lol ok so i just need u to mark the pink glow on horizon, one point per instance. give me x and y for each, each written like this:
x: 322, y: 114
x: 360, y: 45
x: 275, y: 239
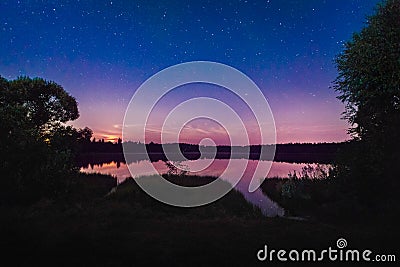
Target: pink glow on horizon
x: 285, y: 134
x: 299, y: 117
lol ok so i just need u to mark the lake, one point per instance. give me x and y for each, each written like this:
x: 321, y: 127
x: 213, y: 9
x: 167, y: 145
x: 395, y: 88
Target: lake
x: 269, y: 208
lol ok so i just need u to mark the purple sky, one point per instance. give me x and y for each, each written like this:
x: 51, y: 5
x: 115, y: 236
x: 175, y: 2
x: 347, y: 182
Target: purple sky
x: 101, y: 51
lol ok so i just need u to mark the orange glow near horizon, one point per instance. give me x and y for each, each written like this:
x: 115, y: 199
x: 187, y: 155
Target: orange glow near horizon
x: 285, y: 134
x: 297, y: 124
x: 107, y: 136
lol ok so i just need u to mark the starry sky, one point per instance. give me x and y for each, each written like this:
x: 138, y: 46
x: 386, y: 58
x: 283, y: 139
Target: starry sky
x: 101, y: 51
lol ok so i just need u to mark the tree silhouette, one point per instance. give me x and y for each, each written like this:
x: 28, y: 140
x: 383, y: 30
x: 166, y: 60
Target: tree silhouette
x: 86, y: 134
x: 36, y: 147
x: 46, y: 103
x: 369, y: 85
x: 369, y: 75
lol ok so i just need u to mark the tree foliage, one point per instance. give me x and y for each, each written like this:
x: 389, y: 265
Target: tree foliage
x: 369, y: 84
x: 36, y: 147
x: 369, y: 75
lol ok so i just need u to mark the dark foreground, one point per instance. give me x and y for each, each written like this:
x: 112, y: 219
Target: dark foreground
x: 128, y: 228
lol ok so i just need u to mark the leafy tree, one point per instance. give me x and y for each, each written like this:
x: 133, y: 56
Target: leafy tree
x: 369, y: 74
x: 36, y: 147
x: 369, y: 85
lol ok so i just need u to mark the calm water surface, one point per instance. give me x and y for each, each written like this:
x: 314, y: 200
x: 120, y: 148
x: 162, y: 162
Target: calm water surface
x: 218, y: 166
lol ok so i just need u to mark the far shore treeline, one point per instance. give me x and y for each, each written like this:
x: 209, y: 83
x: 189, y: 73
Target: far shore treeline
x: 100, y: 152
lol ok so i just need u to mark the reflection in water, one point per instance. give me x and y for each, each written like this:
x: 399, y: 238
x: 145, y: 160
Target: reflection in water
x: 216, y: 168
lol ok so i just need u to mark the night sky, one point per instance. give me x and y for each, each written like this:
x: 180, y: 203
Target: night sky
x: 101, y: 51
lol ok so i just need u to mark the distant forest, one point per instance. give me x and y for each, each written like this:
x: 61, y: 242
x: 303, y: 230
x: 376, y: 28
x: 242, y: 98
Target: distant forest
x: 100, y: 152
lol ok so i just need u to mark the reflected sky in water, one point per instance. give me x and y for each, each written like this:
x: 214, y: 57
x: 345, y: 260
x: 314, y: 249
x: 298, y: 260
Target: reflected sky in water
x: 215, y: 168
